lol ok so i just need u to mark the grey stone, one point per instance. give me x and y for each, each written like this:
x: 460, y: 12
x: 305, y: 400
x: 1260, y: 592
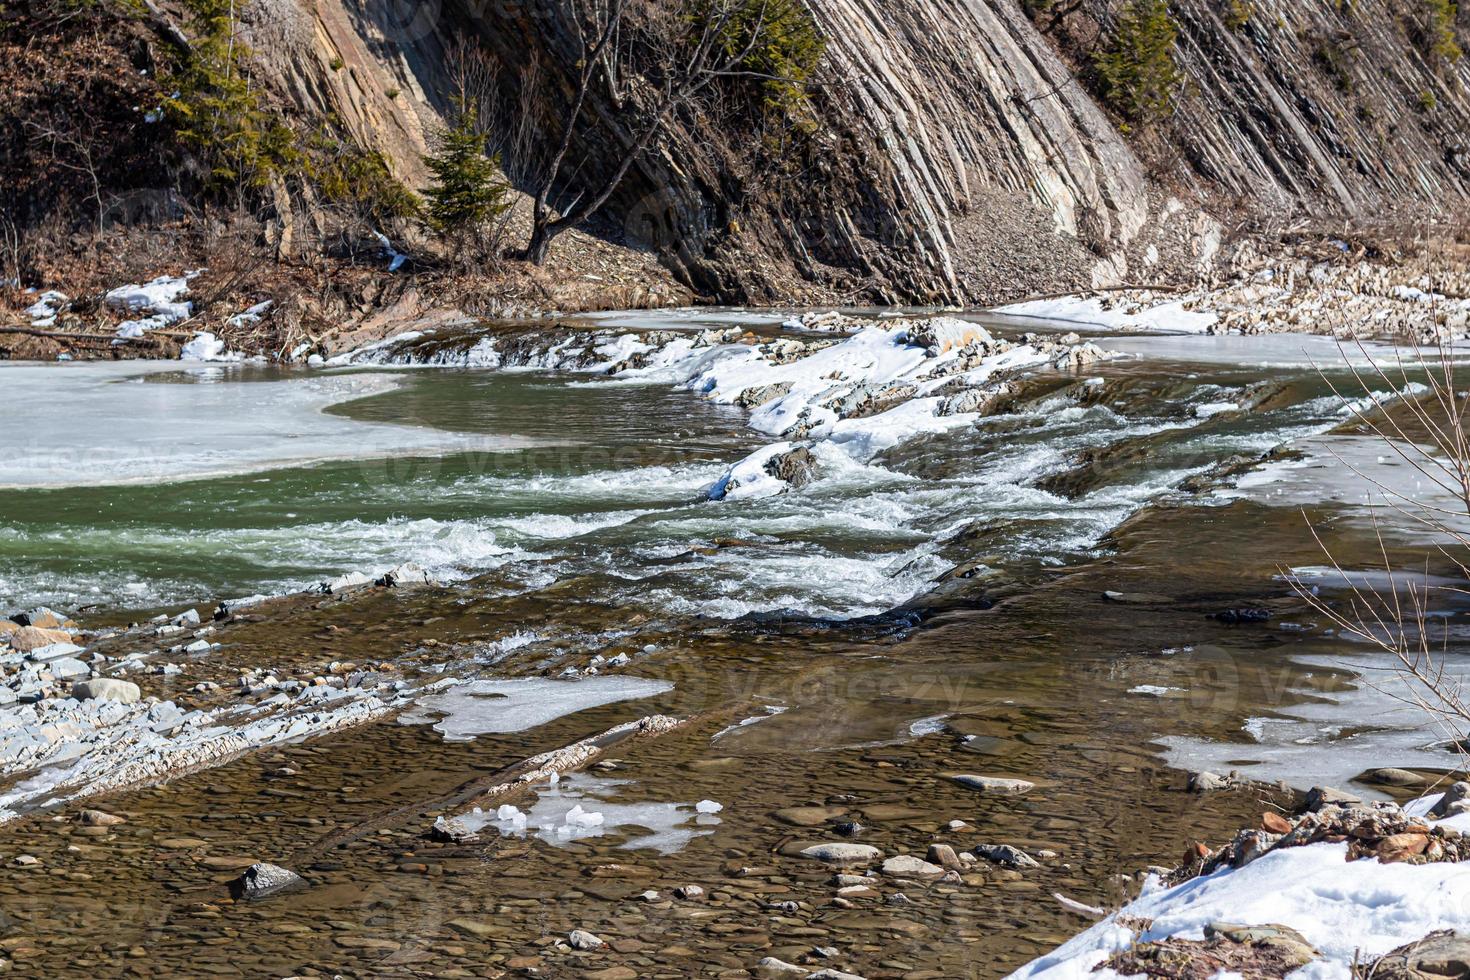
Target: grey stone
x: 106, y: 689
x: 187, y: 618
x: 1457, y: 793
x: 995, y: 785
x: 773, y: 968
x: 584, y: 940
x: 1011, y: 857
x: 908, y: 866
x: 264, y: 880
x: 843, y: 853
x: 1321, y: 796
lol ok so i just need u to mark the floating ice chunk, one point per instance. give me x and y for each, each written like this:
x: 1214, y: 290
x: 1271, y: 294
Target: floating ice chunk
x: 1214, y: 408
x: 503, y: 706
x: 578, y: 817
x: 708, y: 806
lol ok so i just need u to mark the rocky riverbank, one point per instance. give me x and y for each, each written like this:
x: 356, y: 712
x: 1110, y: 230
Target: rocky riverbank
x: 1343, y: 888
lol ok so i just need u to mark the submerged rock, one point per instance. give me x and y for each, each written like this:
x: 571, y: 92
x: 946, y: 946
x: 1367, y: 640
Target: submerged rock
x: 843, y: 853
x: 1005, y: 854
x: 995, y: 785
x: 584, y: 940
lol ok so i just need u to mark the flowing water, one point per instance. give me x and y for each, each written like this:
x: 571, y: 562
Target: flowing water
x: 846, y: 646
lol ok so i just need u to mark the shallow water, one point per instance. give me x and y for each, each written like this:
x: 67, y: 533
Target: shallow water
x: 846, y: 646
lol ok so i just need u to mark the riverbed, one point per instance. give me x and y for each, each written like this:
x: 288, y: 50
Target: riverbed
x: 1033, y: 592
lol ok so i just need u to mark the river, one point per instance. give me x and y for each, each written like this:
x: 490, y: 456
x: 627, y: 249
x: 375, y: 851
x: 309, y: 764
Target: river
x: 1030, y: 592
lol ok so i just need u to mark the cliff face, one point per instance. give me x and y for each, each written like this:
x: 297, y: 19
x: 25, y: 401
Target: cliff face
x: 957, y: 153
x: 1308, y: 108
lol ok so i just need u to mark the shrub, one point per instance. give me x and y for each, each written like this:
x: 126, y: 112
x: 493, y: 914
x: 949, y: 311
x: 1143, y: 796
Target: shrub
x: 1440, y: 41
x: 468, y: 190
x: 788, y: 49
x: 347, y: 174
x: 1138, y: 72
x: 1238, y: 13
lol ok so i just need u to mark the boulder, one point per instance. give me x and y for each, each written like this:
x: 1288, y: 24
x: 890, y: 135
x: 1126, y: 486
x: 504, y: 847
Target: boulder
x: 264, y: 880
x: 106, y: 689
x: 1458, y: 793
x: 44, y: 618
x: 187, y: 619
x: 29, y: 638
x: 994, y: 785
x: 1437, y: 956
x: 774, y: 969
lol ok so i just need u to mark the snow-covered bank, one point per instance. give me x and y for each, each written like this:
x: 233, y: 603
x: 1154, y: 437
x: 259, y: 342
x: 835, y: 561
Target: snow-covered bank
x: 1335, y: 299
x: 1349, y: 910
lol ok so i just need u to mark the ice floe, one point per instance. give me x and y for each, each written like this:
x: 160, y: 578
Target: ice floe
x: 462, y: 711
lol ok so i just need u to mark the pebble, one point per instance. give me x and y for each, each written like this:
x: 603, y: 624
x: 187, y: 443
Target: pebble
x: 906, y: 865
x: 843, y: 853
x: 996, y: 785
x: 689, y: 893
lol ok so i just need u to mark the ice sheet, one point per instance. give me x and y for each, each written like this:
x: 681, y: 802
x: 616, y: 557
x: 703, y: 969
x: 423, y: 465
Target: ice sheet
x: 152, y: 432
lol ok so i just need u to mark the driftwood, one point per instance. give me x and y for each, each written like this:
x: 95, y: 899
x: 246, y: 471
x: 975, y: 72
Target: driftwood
x: 502, y: 785
x: 73, y: 335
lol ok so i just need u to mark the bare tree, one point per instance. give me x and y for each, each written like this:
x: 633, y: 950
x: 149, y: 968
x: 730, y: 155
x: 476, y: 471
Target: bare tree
x: 691, y: 47
x: 1424, y: 428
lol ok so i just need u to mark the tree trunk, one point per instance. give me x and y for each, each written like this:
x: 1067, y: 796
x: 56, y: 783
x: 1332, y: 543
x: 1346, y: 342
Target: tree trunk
x: 540, y: 245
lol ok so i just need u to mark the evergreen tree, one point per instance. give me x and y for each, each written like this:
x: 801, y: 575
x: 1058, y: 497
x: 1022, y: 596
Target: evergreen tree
x: 1138, y: 71
x: 468, y: 190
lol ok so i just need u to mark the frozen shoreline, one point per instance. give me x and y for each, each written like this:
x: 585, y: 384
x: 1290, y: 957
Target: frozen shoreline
x: 122, y: 428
